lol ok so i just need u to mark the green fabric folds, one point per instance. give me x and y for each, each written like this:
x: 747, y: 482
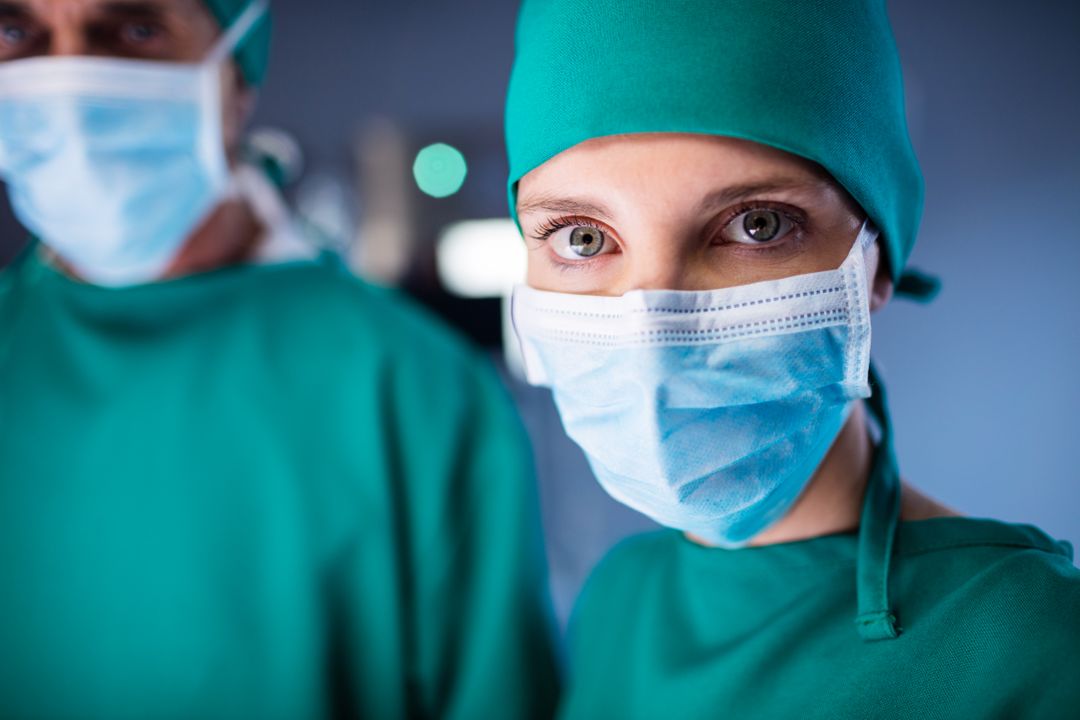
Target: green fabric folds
x: 260, y: 492
x: 821, y: 80
x: 990, y: 614
x: 253, y: 55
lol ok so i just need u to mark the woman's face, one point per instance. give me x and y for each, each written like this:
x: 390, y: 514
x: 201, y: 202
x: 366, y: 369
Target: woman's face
x: 683, y: 212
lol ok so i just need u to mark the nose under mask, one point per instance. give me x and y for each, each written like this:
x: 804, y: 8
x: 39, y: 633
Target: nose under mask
x: 706, y: 411
x: 113, y: 163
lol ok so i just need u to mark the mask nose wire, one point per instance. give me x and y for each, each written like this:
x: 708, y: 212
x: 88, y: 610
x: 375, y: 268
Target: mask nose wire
x: 237, y: 32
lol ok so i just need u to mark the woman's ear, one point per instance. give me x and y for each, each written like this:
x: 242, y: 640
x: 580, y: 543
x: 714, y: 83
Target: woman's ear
x: 882, y: 290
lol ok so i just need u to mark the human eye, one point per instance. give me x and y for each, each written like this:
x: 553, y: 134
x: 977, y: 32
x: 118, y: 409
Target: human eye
x: 141, y: 35
x: 13, y: 33
x: 18, y: 36
x: 758, y: 226
x: 576, y: 241
x: 135, y: 35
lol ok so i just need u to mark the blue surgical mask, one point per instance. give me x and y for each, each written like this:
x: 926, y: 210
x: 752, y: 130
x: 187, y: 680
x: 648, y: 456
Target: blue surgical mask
x: 707, y: 411
x: 113, y: 163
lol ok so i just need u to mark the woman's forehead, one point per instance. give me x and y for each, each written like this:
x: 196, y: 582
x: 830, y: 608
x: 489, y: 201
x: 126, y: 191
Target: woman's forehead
x: 679, y: 164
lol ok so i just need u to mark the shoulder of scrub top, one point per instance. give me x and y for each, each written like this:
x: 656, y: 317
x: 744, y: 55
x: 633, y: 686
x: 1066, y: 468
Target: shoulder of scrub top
x: 350, y: 320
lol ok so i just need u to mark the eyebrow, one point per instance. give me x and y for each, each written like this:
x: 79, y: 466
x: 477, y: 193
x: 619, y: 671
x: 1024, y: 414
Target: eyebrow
x: 711, y: 202
x: 14, y: 10
x: 736, y: 193
x: 564, y: 205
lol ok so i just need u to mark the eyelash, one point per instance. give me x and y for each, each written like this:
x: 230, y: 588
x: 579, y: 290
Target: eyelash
x: 793, y: 215
x: 550, y: 227
x: 797, y: 219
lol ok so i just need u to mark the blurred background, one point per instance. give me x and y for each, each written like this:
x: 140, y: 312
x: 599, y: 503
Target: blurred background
x: 985, y: 382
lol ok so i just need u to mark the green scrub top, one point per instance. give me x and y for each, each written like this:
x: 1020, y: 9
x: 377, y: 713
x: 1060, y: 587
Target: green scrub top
x: 953, y: 618
x: 261, y: 492
x: 990, y: 615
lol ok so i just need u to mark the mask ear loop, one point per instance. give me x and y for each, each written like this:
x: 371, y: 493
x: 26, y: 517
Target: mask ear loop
x: 211, y: 141
x: 868, y: 235
x: 237, y: 32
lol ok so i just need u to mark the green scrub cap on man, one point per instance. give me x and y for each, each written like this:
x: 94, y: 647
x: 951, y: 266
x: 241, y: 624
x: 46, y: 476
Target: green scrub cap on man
x: 254, y: 53
x: 819, y: 79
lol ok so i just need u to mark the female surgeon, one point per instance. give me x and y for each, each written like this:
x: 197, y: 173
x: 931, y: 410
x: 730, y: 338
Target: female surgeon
x: 716, y: 196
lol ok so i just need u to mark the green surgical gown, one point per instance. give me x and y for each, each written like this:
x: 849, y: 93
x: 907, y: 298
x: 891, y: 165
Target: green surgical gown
x: 261, y: 492
x: 989, y: 615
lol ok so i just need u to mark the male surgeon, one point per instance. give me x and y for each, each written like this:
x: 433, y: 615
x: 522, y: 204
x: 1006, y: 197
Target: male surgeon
x: 235, y: 482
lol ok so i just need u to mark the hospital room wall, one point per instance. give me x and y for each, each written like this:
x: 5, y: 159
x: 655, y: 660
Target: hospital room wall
x: 984, y: 381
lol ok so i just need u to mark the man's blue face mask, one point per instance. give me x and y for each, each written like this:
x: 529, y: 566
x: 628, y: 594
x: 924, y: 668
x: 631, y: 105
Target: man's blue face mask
x: 112, y: 163
x: 707, y: 411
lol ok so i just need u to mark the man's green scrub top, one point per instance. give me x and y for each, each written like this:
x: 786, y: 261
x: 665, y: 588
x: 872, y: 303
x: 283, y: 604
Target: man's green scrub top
x: 989, y: 615
x: 262, y: 492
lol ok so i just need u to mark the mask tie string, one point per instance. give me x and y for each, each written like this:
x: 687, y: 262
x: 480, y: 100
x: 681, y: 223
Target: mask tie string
x: 877, y: 529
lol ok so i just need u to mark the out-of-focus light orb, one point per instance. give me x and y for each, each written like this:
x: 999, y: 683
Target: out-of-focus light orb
x: 481, y: 258
x: 440, y: 170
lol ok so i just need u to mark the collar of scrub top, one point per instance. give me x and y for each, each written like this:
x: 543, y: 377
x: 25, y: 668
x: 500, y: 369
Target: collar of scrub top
x: 877, y: 528
x: 281, y: 243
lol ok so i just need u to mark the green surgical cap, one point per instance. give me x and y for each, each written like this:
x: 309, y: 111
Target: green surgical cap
x: 254, y: 53
x: 819, y: 79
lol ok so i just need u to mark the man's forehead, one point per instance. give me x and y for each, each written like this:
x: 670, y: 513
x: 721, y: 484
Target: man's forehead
x: 101, y: 7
